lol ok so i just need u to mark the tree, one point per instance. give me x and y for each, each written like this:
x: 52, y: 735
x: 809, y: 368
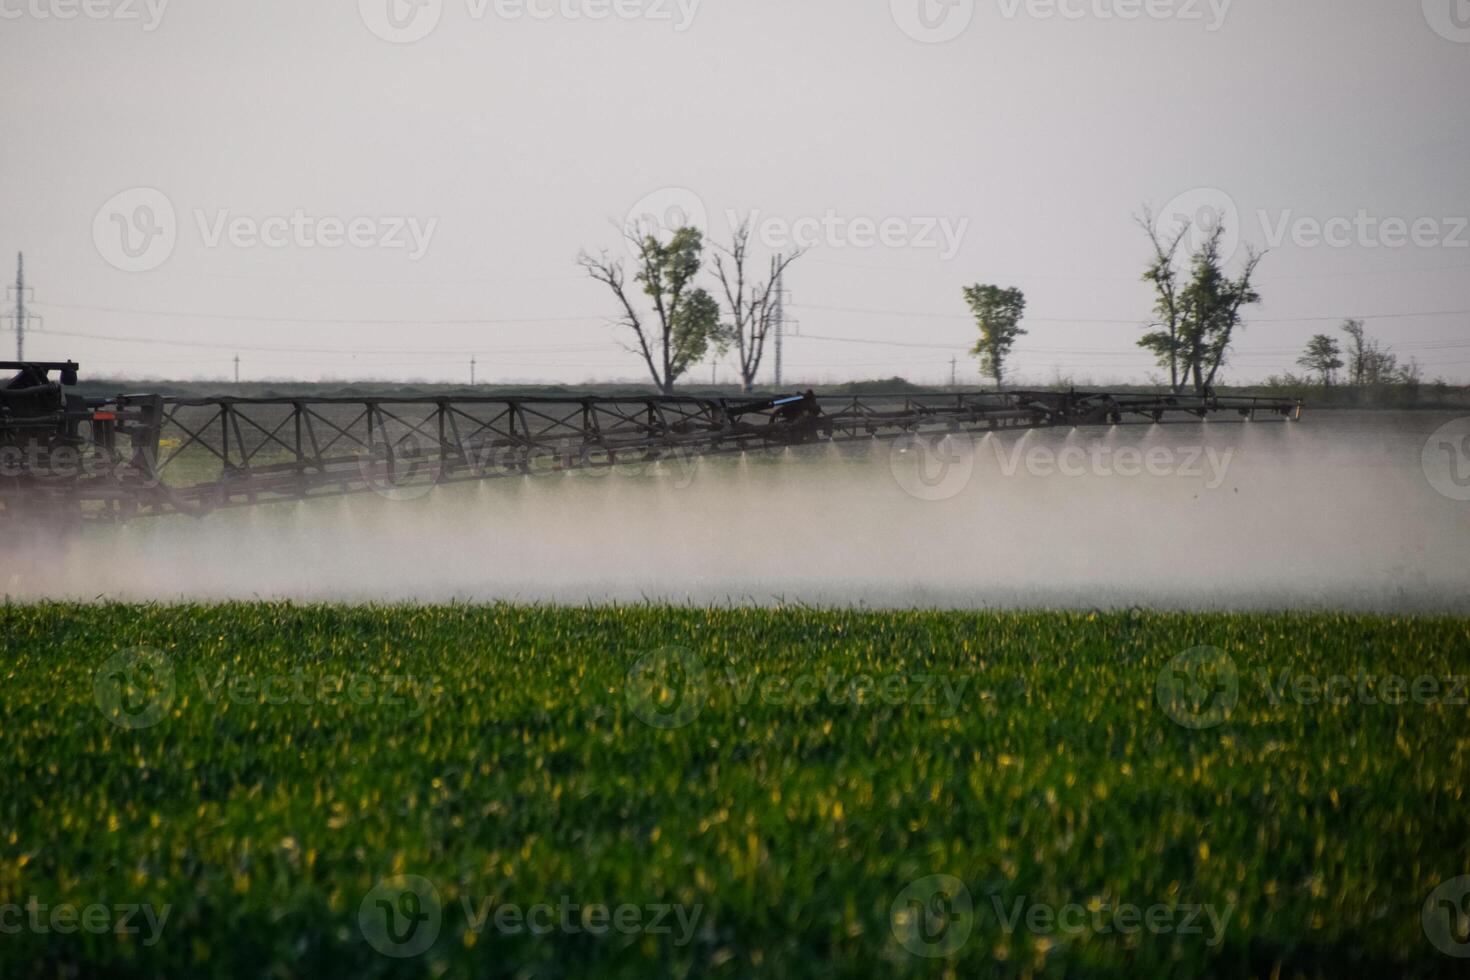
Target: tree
x: 1197, y: 319
x: 750, y: 303
x: 1371, y: 363
x: 1357, y: 349
x: 685, y: 318
x: 1163, y: 272
x: 1322, y: 357
x: 998, y: 314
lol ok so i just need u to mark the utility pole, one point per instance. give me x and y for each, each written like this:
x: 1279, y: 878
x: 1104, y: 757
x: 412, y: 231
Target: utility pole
x: 22, y: 318
x: 20, y: 306
x: 953, y: 366
x: 472, y: 372
x: 237, y: 369
x: 780, y: 323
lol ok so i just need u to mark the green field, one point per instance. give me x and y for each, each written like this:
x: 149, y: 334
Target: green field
x: 292, y: 791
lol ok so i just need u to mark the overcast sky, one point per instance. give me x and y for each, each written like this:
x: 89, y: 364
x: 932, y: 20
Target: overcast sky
x: 384, y: 188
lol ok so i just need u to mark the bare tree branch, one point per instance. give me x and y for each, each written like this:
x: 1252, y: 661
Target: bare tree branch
x: 750, y: 304
x: 609, y: 272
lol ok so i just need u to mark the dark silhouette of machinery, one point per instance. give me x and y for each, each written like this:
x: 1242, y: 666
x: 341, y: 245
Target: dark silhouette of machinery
x: 72, y: 459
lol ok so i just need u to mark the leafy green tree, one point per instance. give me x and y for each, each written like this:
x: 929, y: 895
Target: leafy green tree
x: 998, y: 314
x: 1196, y: 318
x: 1322, y: 356
x: 685, y: 319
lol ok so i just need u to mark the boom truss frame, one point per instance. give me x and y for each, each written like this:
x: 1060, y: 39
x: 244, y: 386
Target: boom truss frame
x: 151, y: 455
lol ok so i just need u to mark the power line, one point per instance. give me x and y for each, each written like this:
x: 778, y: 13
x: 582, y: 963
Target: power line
x: 1134, y: 279
x: 1133, y: 322
x: 340, y: 321
x: 389, y: 351
x: 858, y: 311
